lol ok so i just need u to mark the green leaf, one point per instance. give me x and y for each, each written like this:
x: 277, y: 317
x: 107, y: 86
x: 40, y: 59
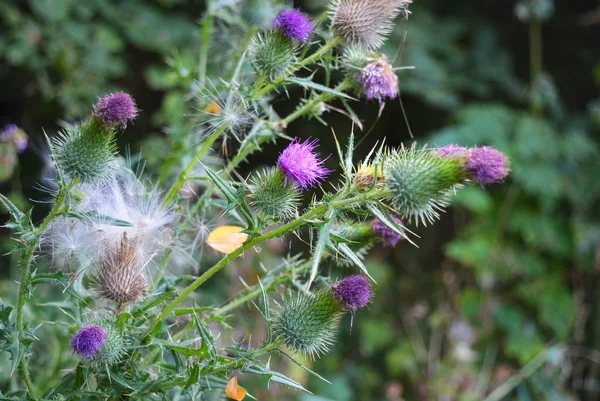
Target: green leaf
x: 322, y: 242
x: 308, y: 83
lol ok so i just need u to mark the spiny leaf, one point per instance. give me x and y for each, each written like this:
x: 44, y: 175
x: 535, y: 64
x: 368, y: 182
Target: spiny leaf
x: 307, y: 83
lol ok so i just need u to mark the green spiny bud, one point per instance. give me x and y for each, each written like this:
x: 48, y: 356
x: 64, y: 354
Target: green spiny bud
x: 421, y: 182
x: 272, y: 196
x: 308, y: 324
x: 86, y: 152
x: 114, y: 348
x: 272, y: 54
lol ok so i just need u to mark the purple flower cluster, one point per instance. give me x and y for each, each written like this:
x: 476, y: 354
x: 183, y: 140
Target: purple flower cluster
x: 378, y: 80
x: 387, y: 236
x: 353, y: 292
x: 294, y: 24
x: 487, y: 164
x: 12, y: 133
x: 116, y: 110
x: 89, y: 340
x: 301, y: 165
x: 484, y: 164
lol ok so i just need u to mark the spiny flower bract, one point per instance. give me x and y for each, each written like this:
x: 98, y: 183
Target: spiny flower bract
x: 294, y: 24
x: 89, y: 340
x: 308, y: 324
x: 272, y: 196
x: 365, y: 23
x: 272, y: 54
x: 353, y: 292
x: 115, y: 110
x: 421, y: 181
x: 487, y: 164
x: 378, y: 80
x: 301, y: 165
x: 385, y: 235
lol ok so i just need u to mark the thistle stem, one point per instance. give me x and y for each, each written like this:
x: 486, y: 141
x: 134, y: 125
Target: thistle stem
x: 307, y: 61
x: 315, y: 212
x: 172, y: 194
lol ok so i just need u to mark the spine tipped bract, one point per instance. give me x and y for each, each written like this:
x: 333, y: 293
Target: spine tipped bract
x: 308, y: 324
x: 272, y: 54
x: 421, y: 182
x: 273, y: 196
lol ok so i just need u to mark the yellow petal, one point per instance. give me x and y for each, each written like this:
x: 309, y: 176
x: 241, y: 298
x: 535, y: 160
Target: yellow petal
x: 233, y: 391
x: 226, y: 239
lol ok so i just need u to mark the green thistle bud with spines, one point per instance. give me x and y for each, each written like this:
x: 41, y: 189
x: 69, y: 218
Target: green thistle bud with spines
x: 308, y: 324
x: 421, y: 182
x: 272, y: 54
x: 272, y: 196
x: 86, y: 152
x: 114, y: 348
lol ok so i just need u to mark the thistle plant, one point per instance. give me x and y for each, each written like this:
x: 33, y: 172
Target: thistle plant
x: 130, y: 248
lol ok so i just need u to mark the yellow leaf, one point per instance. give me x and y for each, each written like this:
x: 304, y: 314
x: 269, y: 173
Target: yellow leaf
x: 226, y: 239
x: 233, y: 391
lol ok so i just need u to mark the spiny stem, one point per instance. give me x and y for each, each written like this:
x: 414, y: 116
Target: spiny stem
x: 315, y: 212
x: 307, y: 61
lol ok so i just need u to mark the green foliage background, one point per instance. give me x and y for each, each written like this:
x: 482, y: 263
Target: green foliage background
x: 508, y: 280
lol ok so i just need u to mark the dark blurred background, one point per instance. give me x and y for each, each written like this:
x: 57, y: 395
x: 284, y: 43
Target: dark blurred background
x: 504, y: 289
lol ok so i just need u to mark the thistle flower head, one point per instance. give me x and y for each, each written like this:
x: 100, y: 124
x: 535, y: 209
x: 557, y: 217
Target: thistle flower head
x: 272, y: 54
x: 89, y: 340
x: 115, y: 110
x: 353, y: 292
x: 452, y: 151
x: 294, y: 24
x: 365, y: 176
x: 487, y: 164
x: 385, y: 235
x: 365, y: 23
x: 301, y: 165
x: 308, y: 324
x: 12, y: 133
x: 272, y: 196
x: 421, y: 182
x: 378, y: 80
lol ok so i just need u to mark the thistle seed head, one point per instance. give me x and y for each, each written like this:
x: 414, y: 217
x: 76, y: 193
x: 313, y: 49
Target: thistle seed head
x: 115, y: 110
x: 308, y: 324
x: 365, y: 23
x: 272, y: 196
x: 421, y: 182
x: 119, y: 275
x: 272, y: 54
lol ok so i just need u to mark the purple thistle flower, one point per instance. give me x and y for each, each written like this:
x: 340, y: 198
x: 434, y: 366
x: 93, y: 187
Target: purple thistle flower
x: 353, y: 292
x: 452, y: 151
x: 378, y: 80
x: 12, y: 133
x: 301, y: 165
x: 487, y: 164
x: 294, y: 24
x: 89, y: 340
x: 115, y: 110
x: 387, y: 236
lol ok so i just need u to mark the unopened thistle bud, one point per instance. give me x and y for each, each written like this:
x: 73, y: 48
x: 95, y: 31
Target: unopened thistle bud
x: 308, y: 324
x: 421, y: 181
x: 119, y: 275
x: 385, y: 235
x: 365, y: 23
x: 487, y: 165
x: 294, y: 24
x: 364, y: 179
x: 353, y: 292
x: 378, y: 80
x: 272, y: 196
x: 115, y: 110
x: 301, y: 165
x: 272, y: 54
